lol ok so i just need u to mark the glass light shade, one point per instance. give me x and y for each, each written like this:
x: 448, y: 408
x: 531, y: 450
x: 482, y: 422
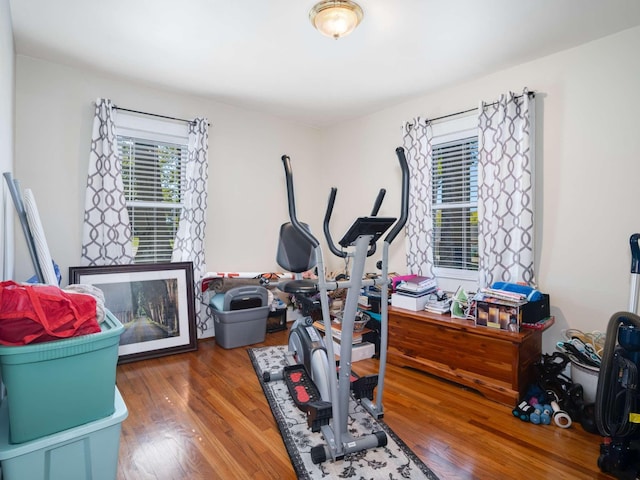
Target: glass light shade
x: 336, y: 18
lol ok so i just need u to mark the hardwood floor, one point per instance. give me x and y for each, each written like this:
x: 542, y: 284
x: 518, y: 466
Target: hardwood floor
x: 203, y: 415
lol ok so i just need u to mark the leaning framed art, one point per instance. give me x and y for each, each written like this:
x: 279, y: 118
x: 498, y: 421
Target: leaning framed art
x: 154, y: 302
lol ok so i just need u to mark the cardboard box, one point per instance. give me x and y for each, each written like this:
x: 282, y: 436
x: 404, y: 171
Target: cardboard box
x: 409, y: 302
x: 500, y: 315
x: 360, y: 351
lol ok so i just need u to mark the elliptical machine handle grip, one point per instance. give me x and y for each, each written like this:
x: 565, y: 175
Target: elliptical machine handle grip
x: 374, y: 213
x: 327, y: 216
x: 291, y: 200
x: 635, y: 253
x: 404, y: 203
x: 378, y: 204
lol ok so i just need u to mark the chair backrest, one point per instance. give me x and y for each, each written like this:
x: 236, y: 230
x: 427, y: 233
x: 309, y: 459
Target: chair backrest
x: 295, y: 253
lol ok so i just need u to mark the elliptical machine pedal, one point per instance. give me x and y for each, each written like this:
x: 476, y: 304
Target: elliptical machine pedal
x: 362, y: 387
x: 307, y: 397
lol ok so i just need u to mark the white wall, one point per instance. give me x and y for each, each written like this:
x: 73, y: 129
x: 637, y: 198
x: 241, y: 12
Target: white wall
x: 588, y: 143
x: 7, y: 93
x: 588, y: 168
x: 247, y: 197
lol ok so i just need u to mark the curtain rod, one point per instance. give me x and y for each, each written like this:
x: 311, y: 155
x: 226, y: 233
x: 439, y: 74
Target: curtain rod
x: 157, y: 115
x: 529, y: 93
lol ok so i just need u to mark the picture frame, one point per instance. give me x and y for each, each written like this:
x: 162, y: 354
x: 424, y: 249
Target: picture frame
x: 155, y: 303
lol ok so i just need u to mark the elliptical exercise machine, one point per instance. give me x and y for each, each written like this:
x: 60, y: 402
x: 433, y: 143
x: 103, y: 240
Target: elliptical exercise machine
x: 319, y: 387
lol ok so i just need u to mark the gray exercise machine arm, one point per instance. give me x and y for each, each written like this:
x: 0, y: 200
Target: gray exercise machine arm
x: 292, y: 205
x: 404, y: 205
x: 327, y: 217
x: 374, y: 212
x: 378, y: 202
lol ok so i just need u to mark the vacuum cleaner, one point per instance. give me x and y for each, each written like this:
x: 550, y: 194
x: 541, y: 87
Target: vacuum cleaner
x: 617, y: 407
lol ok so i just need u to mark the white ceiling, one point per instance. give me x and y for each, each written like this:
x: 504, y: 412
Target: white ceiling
x: 265, y: 55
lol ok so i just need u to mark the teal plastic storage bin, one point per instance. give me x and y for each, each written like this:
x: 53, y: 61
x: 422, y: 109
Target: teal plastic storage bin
x: 87, y: 452
x: 55, y: 386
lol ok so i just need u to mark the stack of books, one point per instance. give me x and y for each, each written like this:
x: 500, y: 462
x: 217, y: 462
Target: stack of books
x: 413, y: 292
x: 359, y: 348
x: 336, y: 332
x: 416, y: 286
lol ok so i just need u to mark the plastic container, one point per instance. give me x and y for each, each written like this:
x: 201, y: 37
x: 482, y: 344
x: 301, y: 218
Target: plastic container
x: 87, y: 452
x: 58, y: 385
x: 238, y: 328
x: 586, y: 376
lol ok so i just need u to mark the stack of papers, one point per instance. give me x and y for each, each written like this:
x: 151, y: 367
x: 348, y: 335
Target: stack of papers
x: 438, y: 306
x: 416, y: 286
x: 502, y: 295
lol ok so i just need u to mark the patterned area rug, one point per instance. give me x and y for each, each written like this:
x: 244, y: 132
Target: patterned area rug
x: 393, y: 461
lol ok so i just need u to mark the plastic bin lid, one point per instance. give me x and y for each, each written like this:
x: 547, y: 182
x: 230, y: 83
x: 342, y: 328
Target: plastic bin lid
x: 9, y: 450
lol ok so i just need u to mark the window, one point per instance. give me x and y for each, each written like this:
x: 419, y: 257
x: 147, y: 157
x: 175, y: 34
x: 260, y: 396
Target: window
x: 454, y: 198
x: 153, y: 153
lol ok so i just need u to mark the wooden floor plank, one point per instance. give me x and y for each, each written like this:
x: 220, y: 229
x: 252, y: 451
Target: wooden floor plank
x: 203, y: 415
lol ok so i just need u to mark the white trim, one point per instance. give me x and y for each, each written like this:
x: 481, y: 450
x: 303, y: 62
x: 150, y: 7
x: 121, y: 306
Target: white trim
x: 454, y: 129
x: 151, y: 128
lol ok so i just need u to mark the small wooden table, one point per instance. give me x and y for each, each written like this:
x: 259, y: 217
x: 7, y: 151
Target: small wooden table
x: 497, y: 363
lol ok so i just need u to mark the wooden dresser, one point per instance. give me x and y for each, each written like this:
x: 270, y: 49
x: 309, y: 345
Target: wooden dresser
x: 496, y: 363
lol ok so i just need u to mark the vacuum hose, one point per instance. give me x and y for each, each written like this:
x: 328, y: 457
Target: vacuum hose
x: 610, y: 420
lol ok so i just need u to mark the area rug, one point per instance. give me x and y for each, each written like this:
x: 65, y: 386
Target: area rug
x: 393, y: 461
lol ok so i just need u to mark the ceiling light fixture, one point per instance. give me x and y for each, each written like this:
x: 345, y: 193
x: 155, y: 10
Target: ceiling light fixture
x: 336, y: 18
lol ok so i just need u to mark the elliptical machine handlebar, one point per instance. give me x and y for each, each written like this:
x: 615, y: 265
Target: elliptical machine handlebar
x: 327, y: 233
x: 404, y: 208
x: 327, y: 217
x: 374, y: 212
x: 292, y: 204
x: 635, y: 253
x: 378, y: 203
x: 404, y: 202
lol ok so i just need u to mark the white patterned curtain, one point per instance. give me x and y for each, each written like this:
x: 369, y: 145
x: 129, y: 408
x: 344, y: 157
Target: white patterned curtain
x: 106, y: 236
x: 189, y: 242
x: 417, y: 145
x: 506, y: 190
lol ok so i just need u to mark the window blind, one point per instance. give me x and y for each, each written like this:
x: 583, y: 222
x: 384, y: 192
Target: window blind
x: 153, y: 176
x: 455, y: 203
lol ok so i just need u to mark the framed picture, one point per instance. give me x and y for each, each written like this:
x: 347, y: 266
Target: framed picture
x: 154, y: 302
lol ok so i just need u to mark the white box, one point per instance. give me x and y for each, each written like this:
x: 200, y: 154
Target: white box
x: 359, y: 351
x: 410, y: 303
